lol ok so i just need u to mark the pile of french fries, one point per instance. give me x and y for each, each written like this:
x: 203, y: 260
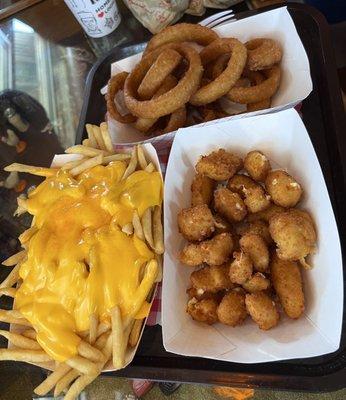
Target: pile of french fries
x: 104, y: 342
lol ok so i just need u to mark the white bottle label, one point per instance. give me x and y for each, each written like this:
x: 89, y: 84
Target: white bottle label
x: 97, y: 17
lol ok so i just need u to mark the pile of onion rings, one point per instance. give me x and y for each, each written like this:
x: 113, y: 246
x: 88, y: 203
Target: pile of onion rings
x: 185, y: 71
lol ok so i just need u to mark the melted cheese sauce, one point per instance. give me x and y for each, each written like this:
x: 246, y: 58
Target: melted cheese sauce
x: 79, y: 261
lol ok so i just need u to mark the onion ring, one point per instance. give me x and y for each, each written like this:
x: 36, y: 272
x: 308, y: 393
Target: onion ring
x: 220, y: 65
x: 174, y: 98
x: 226, y: 80
x: 182, y: 33
x: 260, y: 92
x: 144, y: 124
x: 259, y: 105
x: 176, y: 120
x: 263, y: 53
x: 162, y: 67
x: 115, y: 84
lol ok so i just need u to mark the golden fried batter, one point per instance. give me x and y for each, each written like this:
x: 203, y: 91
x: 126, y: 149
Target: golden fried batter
x: 262, y: 310
x: 212, y: 278
x: 229, y: 204
x: 287, y: 282
x: 255, y: 246
x: 240, y: 269
x: 257, y: 165
x: 191, y: 255
x: 201, y: 294
x: 266, y: 214
x: 294, y: 233
x: 196, y: 223
x: 232, y: 311
x: 219, y: 165
x: 215, y: 251
x: 258, y: 227
x: 284, y: 190
x: 222, y: 225
x: 201, y: 190
x: 239, y: 183
x: 256, y: 283
x: 256, y: 199
x: 203, y: 310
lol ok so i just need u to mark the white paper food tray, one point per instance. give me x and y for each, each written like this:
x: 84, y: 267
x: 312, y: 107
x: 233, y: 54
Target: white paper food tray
x: 283, y: 138
x: 58, y: 161
x: 295, y: 86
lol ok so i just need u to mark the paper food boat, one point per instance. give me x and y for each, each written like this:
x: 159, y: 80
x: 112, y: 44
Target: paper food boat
x: 58, y: 161
x: 295, y: 86
x: 283, y: 138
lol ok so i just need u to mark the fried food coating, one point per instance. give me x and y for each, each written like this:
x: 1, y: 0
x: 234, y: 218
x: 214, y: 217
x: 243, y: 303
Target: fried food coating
x: 256, y: 283
x: 229, y: 204
x: 253, y: 193
x: 201, y: 294
x: 255, y: 246
x: 211, y: 278
x: 262, y: 310
x: 222, y: 225
x: 266, y: 214
x: 239, y: 183
x: 196, y: 223
x: 191, y: 255
x: 256, y: 199
x: 284, y: 190
x: 232, y: 310
x: 258, y: 227
x: 219, y: 165
x: 204, y: 310
x: 202, y: 189
x: 240, y: 269
x: 215, y: 251
x: 294, y: 234
x: 257, y: 165
x: 288, y: 284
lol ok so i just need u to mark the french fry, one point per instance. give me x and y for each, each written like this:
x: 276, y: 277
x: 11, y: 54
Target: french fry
x: 29, y: 333
x: 158, y: 258
x: 158, y: 230
x: 34, y: 356
x: 14, y: 259
x: 102, y: 328
x: 135, y: 332
x: 106, y: 137
x: 89, y: 163
x: 10, y: 318
x: 83, y: 365
x: 98, y: 137
x: 101, y: 340
x: 86, y: 142
x: 72, y: 164
x: 93, y: 328
x: 29, y: 169
x: 89, y: 352
x: 150, y: 167
x: 11, y: 278
x: 20, y: 341
x: 147, y: 226
x: 65, y: 381
x: 117, y: 338
x: 116, y: 157
x: 141, y: 157
x: 137, y: 226
x: 27, y: 234
x: 132, y: 164
x: 9, y: 291
x: 128, y: 229
x: 91, y: 137
x: 45, y: 386
x: 21, y: 209
x: 85, y: 151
